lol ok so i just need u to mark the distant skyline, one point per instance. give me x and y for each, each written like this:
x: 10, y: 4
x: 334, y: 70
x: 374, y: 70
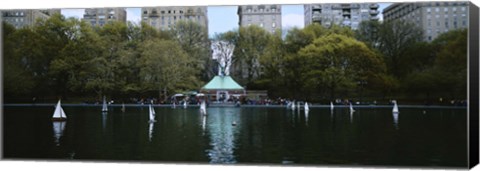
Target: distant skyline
x: 224, y: 18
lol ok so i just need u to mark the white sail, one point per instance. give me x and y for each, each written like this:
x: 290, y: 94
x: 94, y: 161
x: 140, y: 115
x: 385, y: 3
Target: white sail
x: 123, y: 107
x: 59, y: 113
x: 351, y: 108
x: 151, y: 114
x: 306, y: 113
x: 185, y: 104
x: 306, y: 107
x: 293, y: 105
x: 395, y: 107
x: 104, y: 107
x: 174, y: 105
x: 331, y: 106
x: 58, y: 128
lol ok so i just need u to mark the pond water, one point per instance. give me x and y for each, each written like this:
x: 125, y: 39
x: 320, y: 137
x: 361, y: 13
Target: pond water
x: 261, y: 135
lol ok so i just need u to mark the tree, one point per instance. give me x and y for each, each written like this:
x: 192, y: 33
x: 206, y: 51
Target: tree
x: 75, y: 59
x: 395, y: 38
x: 166, y: 67
x: 337, y: 63
x: 272, y: 64
x: 451, y: 63
x: 17, y: 79
x: 193, y: 39
x: 222, y: 53
x: 250, y: 45
x: 367, y: 32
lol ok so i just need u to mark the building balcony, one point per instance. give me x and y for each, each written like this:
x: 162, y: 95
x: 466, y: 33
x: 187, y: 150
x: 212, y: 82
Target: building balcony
x: 316, y: 7
x: 376, y: 18
x: 374, y: 12
x: 374, y: 6
x: 316, y: 18
x: 153, y: 15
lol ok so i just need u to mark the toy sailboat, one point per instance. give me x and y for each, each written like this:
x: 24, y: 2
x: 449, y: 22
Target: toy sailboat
x: 59, y: 114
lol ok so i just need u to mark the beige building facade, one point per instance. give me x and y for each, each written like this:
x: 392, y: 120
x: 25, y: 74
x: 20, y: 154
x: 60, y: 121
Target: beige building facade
x: 434, y: 18
x: 25, y: 18
x: 349, y: 15
x: 101, y: 16
x: 268, y: 17
x: 164, y: 18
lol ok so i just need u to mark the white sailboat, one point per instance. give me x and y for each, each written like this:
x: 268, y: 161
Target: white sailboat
x: 185, y: 104
x: 351, y: 108
x: 151, y: 114
x: 104, y: 107
x: 306, y: 108
x: 293, y: 105
x: 174, y: 105
x: 58, y: 128
x: 59, y: 114
x: 331, y: 106
x: 395, y: 107
x: 203, y: 108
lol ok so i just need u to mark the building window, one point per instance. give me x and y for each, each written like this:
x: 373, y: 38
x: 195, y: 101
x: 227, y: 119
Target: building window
x: 437, y: 9
x: 464, y: 8
x: 145, y: 12
x: 162, y: 12
x: 174, y: 11
x: 437, y: 16
x: 21, y: 13
x: 169, y: 11
x: 273, y: 17
x: 249, y: 10
x: 445, y: 9
x: 428, y: 10
x: 464, y: 23
x: 274, y: 25
x: 181, y: 11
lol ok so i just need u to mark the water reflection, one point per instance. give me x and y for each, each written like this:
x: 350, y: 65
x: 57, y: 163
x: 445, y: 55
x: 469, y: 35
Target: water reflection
x: 222, y: 134
x: 104, y: 121
x: 351, y: 115
x: 306, y: 117
x: 204, y: 123
x: 58, y: 127
x: 150, y: 131
x: 395, y: 120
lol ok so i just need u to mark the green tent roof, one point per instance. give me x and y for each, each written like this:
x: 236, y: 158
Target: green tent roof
x: 222, y: 83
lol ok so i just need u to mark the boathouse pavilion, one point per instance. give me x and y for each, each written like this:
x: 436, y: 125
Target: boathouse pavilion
x: 222, y: 88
